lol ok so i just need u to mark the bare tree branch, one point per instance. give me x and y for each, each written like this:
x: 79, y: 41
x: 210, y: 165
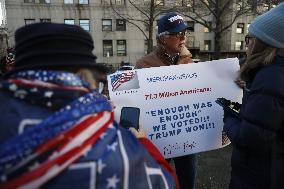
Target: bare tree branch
x: 140, y: 10
x: 128, y: 20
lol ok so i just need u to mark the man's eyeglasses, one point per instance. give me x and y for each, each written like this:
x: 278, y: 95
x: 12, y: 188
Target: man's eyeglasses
x: 248, y: 38
x: 177, y: 35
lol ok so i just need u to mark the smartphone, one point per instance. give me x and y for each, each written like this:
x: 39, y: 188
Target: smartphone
x: 129, y: 117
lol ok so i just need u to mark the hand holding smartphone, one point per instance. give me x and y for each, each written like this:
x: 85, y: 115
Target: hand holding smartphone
x: 232, y: 107
x: 129, y: 117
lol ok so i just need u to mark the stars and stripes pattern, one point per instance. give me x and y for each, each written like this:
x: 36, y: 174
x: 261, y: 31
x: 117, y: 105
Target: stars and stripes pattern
x: 52, y: 89
x: 120, y: 78
x: 78, y: 146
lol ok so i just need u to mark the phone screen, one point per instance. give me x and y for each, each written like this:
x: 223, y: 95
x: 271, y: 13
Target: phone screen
x: 129, y: 117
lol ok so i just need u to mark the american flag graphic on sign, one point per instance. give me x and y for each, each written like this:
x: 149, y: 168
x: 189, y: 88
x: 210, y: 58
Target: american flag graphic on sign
x: 124, y: 81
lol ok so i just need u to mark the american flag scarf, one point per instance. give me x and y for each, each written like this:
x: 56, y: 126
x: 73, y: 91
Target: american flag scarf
x: 39, y: 154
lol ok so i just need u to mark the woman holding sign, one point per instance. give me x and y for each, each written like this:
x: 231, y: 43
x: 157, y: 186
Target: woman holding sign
x: 258, y: 134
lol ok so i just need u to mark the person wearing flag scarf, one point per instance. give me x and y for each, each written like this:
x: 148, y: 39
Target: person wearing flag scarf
x: 57, y: 130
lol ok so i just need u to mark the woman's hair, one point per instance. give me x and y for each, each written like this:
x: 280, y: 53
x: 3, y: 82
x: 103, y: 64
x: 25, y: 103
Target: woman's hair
x: 261, y: 55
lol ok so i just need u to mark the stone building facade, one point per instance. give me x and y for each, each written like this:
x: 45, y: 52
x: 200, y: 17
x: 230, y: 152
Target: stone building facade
x: 115, y: 39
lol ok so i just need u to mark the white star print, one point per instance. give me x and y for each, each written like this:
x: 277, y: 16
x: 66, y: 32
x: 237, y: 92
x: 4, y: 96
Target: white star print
x: 34, y: 90
x: 48, y: 94
x: 20, y: 94
x: 13, y: 87
x: 49, y: 104
x: 3, y: 178
x: 31, y: 72
x: 111, y: 127
x: 103, y: 135
x: 35, y: 165
x: 112, y: 147
x: 101, y: 166
x: 111, y: 182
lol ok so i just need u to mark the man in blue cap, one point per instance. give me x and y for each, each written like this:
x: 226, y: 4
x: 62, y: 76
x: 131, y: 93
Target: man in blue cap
x: 171, y: 40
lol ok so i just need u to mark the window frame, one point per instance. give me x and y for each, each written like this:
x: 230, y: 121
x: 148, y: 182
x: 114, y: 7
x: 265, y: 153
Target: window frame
x: 29, y: 1
x: 120, y: 28
x: 193, y: 24
x: 69, y: 20
x: 117, y: 47
x: 28, y: 20
x: 207, y: 44
x: 240, y: 30
x: 104, y: 27
x: 80, y: 24
x: 44, y: 1
x: 83, y: 3
x: 45, y: 20
x: 107, y: 49
x: 241, y: 46
x: 66, y: 2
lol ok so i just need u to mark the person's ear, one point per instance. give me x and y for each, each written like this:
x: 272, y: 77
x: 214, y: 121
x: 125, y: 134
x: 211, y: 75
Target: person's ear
x: 162, y: 40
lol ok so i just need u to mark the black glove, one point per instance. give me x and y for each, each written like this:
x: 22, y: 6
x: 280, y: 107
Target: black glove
x: 231, y: 109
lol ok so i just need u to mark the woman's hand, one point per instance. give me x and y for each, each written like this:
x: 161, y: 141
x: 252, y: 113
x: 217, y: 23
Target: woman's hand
x: 139, y: 134
x: 240, y: 83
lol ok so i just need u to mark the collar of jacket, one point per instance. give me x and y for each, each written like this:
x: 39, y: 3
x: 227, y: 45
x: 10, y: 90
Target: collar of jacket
x: 165, y: 57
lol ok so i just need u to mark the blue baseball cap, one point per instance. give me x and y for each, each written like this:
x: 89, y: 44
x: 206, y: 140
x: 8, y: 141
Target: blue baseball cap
x: 172, y: 22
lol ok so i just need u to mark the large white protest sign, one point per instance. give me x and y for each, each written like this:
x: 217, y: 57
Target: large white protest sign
x: 177, y: 103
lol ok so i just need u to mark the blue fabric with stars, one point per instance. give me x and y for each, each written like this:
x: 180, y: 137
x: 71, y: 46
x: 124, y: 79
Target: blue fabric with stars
x: 50, y: 97
x: 116, y: 160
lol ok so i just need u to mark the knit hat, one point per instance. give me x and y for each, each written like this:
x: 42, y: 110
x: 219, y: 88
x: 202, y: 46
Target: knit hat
x: 269, y: 27
x: 50, y: 45
x: 172, y: 22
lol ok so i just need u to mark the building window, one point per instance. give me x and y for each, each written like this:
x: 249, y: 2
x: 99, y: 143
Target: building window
x: 240, y: 28
x: 45, y: 20
x: 191, y: 25
x: 146, y: 2
x: 207, y: 45
x: 184, y: 3
x: 239, y: 5
x: 69, y: 21
x: 68, y: 2
x: 84, y: 2
x: 44, y: 1
x: 29, y: 21
x: 107, y: 48
x: 248, y: 27
x: 207, y: 30
x: 118, y: 2
x: 120, y: 25
x: 239, y: 45
x: 85, y: 24
x: 159, y: 2
x: 121, y: 47
x: 29, y: 1
x: 107, y: 25
x: 105, y: 2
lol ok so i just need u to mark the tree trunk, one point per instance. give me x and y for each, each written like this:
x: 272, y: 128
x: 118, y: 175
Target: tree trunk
x: 217, y: 52
x: 149, y: 45
x: 151, y: 28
